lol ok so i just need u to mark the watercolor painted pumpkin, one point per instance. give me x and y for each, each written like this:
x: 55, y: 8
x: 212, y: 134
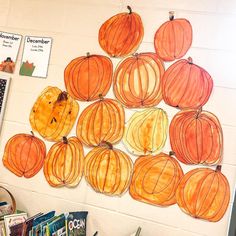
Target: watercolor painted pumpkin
x: 53, y: 114
x: 146, y: 131
x: 186, y: 85
x: 196, y: 137
x: 101, y: 121
x: 204, y: 193
x: 137, y: 80
x: 108, y: 170
x: 155, y: 179
x: 88, y: 77
x: 64, y: 163
x: 24, y: 155
x: 173, y: 39
x: 121, y: 35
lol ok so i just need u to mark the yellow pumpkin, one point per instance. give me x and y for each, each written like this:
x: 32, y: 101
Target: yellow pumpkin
x: 146, y: 131
x: 53, y: 114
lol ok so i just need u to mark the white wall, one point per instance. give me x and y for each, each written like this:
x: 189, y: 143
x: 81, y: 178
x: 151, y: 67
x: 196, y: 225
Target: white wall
x: 74, y: 26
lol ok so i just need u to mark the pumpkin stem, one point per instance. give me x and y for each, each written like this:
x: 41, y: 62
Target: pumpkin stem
x: 130, y: 10
x: 65, y: 140
x: 62, y: 96
x: 199, y: 112
x: 88, y: 54
x: 171, y: 15
x: 218, y: 168
x: 106, y: 144
x: 32, y: 133
x: 101, y: 97
x: 171, y: 153
x: 190, y: 60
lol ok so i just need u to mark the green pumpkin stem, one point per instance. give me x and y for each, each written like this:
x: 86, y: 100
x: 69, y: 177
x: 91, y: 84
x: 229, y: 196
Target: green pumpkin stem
x: 32, y: 133
x: 88, y: 54
x: 106, y: 144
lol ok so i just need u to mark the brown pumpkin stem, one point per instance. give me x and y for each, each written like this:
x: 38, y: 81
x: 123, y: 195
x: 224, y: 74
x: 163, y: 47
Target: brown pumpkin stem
x: 190, y: 60
x: 65, y: 140
x: 106, y: 144
x: 62, y: 96
x: 171, y: 153
x: 101, y: 97
x: 218, y: 168
x: 199, y: 112
x: 171, y: 15
x: 88, y: 54
x: 32, y: 133
x: 130, y: 10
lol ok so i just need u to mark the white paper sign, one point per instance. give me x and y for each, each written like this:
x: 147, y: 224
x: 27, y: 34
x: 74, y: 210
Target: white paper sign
x: 9, y: 48
x: 36, y: 55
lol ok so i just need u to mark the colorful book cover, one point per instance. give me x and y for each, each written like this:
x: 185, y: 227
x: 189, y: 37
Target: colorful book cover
x: 57, y: 227
x: 29, y: 224
x: 76, y: 223
x: 14, y: 219
x: 44, y: 225
x: 9, y: 48
x: 37, y: 221
x: 36, y: 56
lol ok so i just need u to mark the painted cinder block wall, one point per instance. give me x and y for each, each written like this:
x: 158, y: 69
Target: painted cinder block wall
x: 74, y: 25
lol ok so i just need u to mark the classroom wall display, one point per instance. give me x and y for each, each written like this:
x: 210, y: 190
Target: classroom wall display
x: 4, y: 87
x: 9, y: 48
x: 36, y: 56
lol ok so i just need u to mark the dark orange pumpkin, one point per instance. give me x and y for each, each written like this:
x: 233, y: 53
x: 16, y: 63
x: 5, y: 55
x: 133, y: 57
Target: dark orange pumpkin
x: 204, y: 193
x: 196, y: 137
x: 137, y: 80
x: 121, y: 34
x: 186, y: 85
x: 173, y: 39
x: 155, y: 179
x: 101, y: 121
x: 64, y: 163
x: 24, y: 155
x: 108, y: 170
x: 53, y: 114
x: 88, y: 77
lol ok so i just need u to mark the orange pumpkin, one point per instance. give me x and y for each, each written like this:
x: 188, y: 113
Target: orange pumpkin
x: 146, y: 131
x: 204, y: 193
x: 53, y: 114
x: 101, y: 121
x: 137, y: 80
x: 64, y: 163
x: 155, y: 179
x: 8, y: 65
x: 24, y: 155
x: 108, y: 170
x: 186, y: 85
x: 196, y: 137
x: 173, y: 39
x: 88, y: 77
x: 121, y: 34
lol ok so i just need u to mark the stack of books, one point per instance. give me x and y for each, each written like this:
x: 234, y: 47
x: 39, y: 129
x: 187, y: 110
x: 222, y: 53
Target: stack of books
x: 48, y: 224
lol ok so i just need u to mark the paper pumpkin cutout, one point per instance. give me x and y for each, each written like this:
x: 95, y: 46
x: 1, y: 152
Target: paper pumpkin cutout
x: 53, y: 114
x: 108, y: 170
x: 121, y: 35
x: 64, y: 163
x: 137, y: 80
x: 204, y: 193
x: 196, y: 137
x: 24, y: 155
x: 186, y: 85
x: 101, y: 121
x: 173, y: 39
x: 27, y: 68
x: 155, y: 179
x: 7, y: 65
x: 146, y: 131
x: 88, y: 77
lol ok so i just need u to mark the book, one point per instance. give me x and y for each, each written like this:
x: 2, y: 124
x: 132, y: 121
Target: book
x: 28, y: 224
x: 5, y: 209
x: 57, y: 227
x: 76, y: 223
x: 14, y: 219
